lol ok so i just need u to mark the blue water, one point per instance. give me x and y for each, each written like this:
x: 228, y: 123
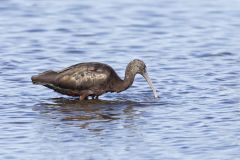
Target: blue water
x: 191, y: 49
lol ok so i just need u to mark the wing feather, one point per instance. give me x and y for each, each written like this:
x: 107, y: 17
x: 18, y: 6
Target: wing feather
x: 83, y: 76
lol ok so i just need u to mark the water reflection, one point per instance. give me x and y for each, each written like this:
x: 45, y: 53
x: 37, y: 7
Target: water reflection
x: 86, y: 114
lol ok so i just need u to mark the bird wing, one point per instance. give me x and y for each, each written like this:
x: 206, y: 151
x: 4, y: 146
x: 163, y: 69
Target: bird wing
x: 83, y: 76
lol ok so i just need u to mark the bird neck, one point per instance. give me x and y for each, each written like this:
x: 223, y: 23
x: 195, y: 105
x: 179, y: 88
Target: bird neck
x: 128, y: 79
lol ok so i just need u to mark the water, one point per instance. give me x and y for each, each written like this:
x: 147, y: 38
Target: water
x: 191, y: 49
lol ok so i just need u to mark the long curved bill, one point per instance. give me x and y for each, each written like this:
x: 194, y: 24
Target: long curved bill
x: 145, y: 75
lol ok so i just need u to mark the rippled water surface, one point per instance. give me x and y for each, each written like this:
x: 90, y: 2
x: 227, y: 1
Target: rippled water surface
x: 191, y: 49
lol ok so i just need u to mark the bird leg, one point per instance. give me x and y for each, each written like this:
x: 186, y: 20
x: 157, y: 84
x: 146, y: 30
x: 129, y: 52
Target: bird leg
x: 82, y: 97
x: 94, y: 97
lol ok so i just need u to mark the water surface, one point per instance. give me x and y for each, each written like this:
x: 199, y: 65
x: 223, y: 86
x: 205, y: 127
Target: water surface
x: 191, y: 49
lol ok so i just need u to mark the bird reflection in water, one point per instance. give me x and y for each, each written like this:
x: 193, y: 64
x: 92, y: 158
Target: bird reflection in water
x: 87, y: 114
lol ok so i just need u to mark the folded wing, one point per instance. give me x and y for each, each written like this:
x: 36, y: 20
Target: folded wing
x: 82, y: 77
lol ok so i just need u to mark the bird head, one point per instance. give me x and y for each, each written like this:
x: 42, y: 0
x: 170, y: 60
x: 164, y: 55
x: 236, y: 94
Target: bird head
x: 138, y: 67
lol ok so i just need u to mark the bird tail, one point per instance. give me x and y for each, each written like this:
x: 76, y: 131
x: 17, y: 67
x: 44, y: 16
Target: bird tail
x: 47, y: 77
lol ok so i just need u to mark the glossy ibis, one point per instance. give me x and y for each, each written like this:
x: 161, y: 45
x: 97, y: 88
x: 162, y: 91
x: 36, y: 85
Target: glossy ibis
x: 91, y: 79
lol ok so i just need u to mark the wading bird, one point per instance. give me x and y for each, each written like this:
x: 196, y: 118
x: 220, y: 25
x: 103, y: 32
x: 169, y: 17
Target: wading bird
x: 91, y: 79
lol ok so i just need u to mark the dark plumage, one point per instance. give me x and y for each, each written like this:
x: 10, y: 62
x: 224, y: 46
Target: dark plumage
x: 91, y: 79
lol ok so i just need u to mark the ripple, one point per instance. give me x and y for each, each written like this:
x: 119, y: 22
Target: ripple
x: 63, y: 30
x: 206, y: 55
x: 36, y: 30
